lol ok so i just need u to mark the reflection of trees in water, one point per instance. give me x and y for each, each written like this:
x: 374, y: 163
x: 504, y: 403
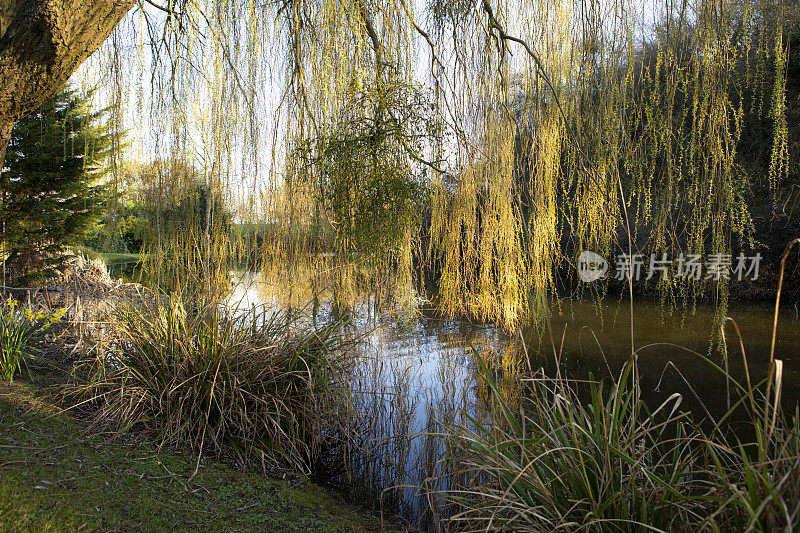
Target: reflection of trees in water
x: 321, y: 279
x: 408, y: 387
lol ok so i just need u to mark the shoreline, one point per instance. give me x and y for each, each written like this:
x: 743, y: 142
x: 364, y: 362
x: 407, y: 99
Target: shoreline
x: 59, y: 475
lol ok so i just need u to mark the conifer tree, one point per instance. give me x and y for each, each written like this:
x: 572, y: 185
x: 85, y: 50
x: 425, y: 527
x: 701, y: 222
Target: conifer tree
x: 51, y: 188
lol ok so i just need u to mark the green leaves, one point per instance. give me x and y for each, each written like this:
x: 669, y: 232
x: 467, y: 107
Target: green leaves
x: 52, y: 192
x: 367, y: 168
x: 20, y: 329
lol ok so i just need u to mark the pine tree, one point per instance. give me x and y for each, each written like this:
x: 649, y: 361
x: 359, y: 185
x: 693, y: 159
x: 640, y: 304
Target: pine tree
x: 51, y: 188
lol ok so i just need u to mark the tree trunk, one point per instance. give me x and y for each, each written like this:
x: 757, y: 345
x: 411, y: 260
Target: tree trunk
x: 42, y: 42
x: 5, y: 136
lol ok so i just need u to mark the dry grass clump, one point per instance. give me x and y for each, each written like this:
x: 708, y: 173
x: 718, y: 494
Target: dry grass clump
x: 263, y: 386
x: 90, y: 275
x: 87, y: 298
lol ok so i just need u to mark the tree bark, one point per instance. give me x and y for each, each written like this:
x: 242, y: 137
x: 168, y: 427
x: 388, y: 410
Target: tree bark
x: 42, y: 42
x: 5, y: 136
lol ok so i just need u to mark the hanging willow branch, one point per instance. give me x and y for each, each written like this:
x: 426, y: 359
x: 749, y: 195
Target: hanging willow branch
x: 617, y: 130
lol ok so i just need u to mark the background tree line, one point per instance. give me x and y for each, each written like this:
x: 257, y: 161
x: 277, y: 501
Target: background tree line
x: 58, y: 195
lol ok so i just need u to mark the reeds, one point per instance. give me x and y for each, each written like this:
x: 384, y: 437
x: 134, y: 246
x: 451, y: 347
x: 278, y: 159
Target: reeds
x: 559, y: 461
x: 262, y: 386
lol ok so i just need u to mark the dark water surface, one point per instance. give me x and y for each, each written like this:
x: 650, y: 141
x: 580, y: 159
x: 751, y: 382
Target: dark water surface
x: 416, y: 368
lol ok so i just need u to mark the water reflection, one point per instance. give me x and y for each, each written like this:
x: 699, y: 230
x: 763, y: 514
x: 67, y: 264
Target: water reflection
x: 417, y: 371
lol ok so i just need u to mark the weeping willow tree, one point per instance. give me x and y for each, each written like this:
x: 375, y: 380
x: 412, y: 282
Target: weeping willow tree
x: 187, y: 244
x: 487, y: 142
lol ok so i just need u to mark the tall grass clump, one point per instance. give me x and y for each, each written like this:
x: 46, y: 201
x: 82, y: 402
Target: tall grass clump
x: 561, y: 463
x: 604, y: 461
x: 260, y: 386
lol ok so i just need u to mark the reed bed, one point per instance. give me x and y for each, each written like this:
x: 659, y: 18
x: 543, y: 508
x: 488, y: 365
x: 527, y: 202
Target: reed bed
x: 560, y: 461
x: 265, y: 387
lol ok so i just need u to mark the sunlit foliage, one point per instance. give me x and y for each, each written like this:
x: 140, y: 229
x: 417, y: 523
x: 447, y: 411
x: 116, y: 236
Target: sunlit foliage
x: 509, y: 136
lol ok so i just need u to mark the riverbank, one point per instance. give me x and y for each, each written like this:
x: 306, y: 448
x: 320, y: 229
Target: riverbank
x: 432, y: 436
x: 58, y: 474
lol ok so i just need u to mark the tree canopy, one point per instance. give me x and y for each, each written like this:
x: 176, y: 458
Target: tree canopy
x: 539, y: 129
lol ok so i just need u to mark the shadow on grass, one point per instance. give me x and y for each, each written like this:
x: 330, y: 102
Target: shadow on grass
x: 55, y: 476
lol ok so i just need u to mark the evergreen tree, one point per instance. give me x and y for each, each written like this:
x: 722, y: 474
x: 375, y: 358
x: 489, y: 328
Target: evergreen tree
x: 52, y: 187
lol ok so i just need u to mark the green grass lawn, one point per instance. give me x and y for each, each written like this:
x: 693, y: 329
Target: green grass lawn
x: 56, y: 475
x: 110, y: 258
x: 117, y: 259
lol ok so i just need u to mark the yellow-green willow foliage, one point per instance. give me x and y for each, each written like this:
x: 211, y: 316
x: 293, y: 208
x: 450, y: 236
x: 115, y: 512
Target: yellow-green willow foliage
x: 187, y: 249
x: 493, y: 140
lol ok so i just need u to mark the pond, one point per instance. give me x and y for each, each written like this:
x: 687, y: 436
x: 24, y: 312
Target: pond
x: 417, y: 368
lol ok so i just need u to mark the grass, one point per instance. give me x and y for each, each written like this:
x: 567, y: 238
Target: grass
x: 55, y: 475
x: 110, y: 258
x: 557, y: 460
x: 260, y: 386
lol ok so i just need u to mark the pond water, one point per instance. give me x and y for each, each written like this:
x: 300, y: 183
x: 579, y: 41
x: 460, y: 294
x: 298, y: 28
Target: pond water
x: 417, y: 368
